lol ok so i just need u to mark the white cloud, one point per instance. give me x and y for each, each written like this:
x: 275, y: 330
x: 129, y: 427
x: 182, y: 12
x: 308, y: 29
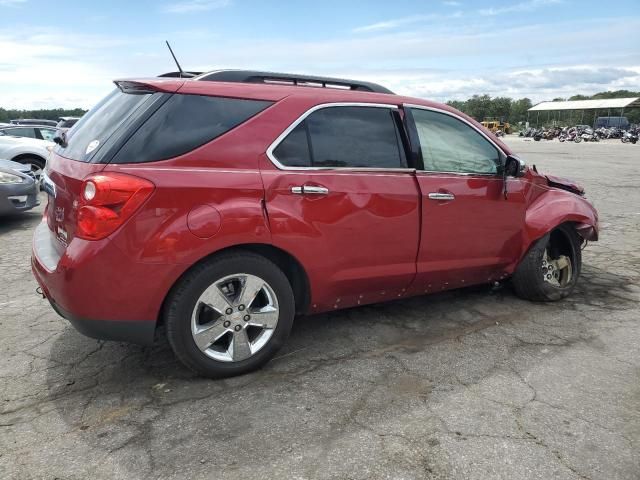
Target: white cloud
x: 189, y: 6
x: 518, y: 7
x: 451, y: 3
x: 11, y: 3
x: 399, y: 22
x: 54, y: 67
x: 537, y: 84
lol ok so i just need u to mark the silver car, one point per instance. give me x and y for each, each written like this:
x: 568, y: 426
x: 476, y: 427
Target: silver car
x: 28, y: 151
x: 18, y: 188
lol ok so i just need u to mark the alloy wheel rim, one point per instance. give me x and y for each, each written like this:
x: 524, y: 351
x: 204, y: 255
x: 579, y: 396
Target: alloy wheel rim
x: 36, y: 171
x: 235, y: 317
x: 556, y: 271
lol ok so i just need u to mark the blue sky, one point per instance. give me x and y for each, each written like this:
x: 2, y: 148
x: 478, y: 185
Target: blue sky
x: 66, y: 53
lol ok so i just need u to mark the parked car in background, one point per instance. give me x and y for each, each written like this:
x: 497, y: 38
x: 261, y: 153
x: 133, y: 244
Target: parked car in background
x: 40, y: 132
x: 613, y: 122
x: 66, y: 123
x: 27, y: 151
x: 34, y: 121
x: 223, y: 205
x: 18, y: 188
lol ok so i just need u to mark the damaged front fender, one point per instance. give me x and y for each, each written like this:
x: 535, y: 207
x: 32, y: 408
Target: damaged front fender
x: 555, y: 207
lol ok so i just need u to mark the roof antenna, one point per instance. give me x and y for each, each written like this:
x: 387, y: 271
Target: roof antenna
x: 175, y: 59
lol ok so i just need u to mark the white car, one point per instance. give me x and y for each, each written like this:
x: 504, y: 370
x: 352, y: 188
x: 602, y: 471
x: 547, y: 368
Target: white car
x: 28, y: 151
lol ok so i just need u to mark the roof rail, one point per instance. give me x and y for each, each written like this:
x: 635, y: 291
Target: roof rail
x: 250, y: 76
x: 180, y: 74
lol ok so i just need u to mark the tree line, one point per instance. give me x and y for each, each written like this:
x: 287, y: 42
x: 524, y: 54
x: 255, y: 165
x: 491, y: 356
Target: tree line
x: 41, y: 114
x: 478, y: 107
x: 515, y: 111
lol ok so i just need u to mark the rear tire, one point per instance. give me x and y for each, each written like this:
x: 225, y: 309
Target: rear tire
x: 217, y: 326
x: 550, y: 269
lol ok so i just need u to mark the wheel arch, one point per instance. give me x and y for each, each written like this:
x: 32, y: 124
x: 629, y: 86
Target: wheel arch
x: 557, y: 207
x: 550, y: 211
x: 24, y: 156
x: 289, y: 264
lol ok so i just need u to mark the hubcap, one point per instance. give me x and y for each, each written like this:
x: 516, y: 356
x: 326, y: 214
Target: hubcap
x: 556, y: 271
x: 234, y: 318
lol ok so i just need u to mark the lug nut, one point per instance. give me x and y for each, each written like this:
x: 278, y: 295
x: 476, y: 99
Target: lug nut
x: 229, y: 311
x: 227, y: 323
x: 241, y: 307
x: 237, y: 328
x: 247, y: 318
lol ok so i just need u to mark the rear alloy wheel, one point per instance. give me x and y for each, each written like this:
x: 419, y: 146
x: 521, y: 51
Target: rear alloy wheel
x: 550, y: 269
x: 234, y: 318
x: 230, y: 315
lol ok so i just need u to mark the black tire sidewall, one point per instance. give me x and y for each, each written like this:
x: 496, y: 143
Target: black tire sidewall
x: 528, y: 276
x: 182, y: 301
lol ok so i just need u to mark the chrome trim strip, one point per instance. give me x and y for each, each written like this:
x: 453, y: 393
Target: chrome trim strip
x: 466, y: 174
x: 315, y: 108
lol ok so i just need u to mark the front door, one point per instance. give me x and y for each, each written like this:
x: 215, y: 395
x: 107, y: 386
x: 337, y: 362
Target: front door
x: 341, y: 198
x: 470, y: 231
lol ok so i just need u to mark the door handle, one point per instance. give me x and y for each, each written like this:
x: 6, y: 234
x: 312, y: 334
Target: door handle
x: 441, y: 196
x: 310, y: 190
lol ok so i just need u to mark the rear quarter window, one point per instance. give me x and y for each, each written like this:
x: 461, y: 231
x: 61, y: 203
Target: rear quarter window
x: 184, y: 123
x: 100, y: 123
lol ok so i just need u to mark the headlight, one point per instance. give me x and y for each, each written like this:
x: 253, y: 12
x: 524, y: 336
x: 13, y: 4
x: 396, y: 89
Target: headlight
x: 9, y: 178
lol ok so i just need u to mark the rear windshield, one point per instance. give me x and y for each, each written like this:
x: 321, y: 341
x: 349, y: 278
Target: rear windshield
x: 184, y: 123
x: 97, y: 125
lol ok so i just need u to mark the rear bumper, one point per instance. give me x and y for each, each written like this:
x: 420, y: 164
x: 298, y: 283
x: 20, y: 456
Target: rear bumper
x: 20, y: 197
x: 140, y: 332
x: 101, y: 292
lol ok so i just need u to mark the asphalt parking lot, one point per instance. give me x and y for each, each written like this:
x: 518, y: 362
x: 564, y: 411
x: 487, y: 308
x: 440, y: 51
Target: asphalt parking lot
x: 472, y: 384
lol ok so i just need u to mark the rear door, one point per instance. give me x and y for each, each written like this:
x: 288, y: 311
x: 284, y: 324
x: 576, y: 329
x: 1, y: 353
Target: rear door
x: 341, y: 197
x: 470, y: 231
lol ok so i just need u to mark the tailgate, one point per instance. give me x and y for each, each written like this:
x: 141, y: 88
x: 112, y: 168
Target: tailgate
x: 62, y: 181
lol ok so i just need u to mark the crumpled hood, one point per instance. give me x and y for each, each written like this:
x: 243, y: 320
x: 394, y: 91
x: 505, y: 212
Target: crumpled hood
x: 564, y: 184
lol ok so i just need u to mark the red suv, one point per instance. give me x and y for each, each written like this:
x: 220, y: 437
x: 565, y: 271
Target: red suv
x: 223, y: 205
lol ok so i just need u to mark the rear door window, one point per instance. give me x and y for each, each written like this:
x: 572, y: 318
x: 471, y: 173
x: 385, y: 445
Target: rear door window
x: 184, y: 123
x: 345, y: 136
x: 28, y: 132
x: 293, y: 151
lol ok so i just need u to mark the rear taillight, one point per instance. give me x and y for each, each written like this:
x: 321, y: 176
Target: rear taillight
x: 107, y: 200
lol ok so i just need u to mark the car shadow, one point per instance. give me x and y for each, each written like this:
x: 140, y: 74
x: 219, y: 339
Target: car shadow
x: 104, y: 386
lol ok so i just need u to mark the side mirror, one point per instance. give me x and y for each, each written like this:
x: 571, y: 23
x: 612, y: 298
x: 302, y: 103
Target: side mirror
x: 60, y: 138
x: 514, y: 167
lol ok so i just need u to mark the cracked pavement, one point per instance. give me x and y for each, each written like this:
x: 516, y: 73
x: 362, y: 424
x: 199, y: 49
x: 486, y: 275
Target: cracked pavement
x: 471, y: 384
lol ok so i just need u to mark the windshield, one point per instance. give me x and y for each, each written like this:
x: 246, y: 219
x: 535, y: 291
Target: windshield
x: 96, y: 126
